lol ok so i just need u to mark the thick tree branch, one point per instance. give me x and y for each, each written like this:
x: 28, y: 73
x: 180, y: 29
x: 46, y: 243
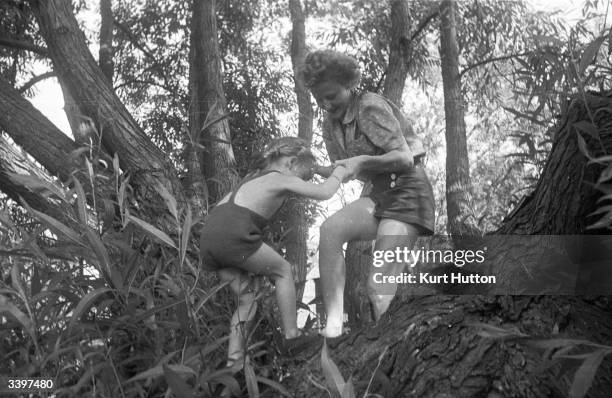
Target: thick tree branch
x: 23, y: 45
x: 31, y: 130
x: 14, y: 162
x: 77, y: 68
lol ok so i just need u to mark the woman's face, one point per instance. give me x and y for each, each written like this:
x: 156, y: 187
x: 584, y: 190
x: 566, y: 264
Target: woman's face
x: 332, y: 97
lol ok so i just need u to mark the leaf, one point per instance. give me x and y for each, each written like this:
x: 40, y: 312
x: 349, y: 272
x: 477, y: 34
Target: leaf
x: 332, y: 374
x: 17, y: 282
x: 605, y: 175
x: 159, y: 371
x: 169, y: 199
x: 349, y: 389
x: 153, y: 231
x: 81, y: 201
x: 583, y: 146
x: 55, y: 225
x: 583, y: 378
x: 36, y: 283
x: 590, y: 53
x: 603, y: 209
x: 116, y: 166
x: 587, y: 127
x: 8, y: 307
x: 604, y: 222
x: 549, y: 344
x: 179, y: 387
x: 491, y: 331
x: 251, y: 380
x: 186, y: 231
x: 604, y: 198
x: 103, y: 258
x: 86, y: 303
x: 603, y: 159
x: 277, y: 386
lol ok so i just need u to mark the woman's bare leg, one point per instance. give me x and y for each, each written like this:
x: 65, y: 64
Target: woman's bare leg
x: 391, y: 235
x: 355, y: 221
x: 266, y: 261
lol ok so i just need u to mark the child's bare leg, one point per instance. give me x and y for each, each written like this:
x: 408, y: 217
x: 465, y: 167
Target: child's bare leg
x: 391, y: 234
x: 354, y: 222
x: 268, y: 262
x: 245, y: 311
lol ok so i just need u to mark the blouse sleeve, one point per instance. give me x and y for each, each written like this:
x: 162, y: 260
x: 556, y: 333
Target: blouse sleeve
x: 377, y: 121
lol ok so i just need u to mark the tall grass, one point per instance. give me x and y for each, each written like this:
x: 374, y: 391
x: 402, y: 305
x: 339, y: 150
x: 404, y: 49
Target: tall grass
x: 112, y: 303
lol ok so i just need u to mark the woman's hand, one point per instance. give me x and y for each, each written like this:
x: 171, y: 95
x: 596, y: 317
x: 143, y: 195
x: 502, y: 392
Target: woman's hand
x: 323, y: 171
x: 353, y: 166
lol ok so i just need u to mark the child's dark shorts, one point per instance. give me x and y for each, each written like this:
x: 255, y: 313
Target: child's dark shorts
x: 406, y: 197
x: 231, y: 234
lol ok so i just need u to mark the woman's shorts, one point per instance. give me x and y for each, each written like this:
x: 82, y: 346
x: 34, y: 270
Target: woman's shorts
x: 406, y: 197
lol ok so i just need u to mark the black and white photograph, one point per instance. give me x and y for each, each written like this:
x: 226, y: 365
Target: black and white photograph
x: 306, y: 198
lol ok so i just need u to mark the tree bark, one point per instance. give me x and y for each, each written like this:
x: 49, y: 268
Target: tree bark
x: 431, y: 344
x: 458, y: 183
x: 13, y: 161
x: 105, y: 54
x: 297, y: 236
x: 208, y: 104
x: 119, y: 131
x: 31, y: 130
x: 397, y: 70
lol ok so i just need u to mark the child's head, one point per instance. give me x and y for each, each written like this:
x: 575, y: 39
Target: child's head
x: 292, y: 152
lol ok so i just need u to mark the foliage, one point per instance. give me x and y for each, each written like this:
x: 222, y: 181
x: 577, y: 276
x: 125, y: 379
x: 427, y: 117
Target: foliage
x: 557, y: 352
x: 132, y: 315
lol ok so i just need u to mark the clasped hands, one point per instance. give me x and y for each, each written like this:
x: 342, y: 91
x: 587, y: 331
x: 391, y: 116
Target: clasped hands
x: 352, y: 168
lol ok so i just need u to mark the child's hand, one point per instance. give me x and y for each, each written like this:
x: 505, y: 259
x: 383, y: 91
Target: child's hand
x: 323, y: 171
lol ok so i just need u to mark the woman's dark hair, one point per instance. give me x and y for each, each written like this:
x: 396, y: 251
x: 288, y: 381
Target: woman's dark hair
x: 329, y: 65
x: 285, y: 146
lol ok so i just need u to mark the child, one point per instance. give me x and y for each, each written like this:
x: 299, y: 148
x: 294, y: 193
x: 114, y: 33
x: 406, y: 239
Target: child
x: 231, y: 240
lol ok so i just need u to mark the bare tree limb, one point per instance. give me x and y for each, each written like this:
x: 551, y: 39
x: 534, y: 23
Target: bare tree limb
x: 35, y: 80
x: 23, y: 45
x: 134, y: 40
x: 494, y: 59
x: 434, y: 13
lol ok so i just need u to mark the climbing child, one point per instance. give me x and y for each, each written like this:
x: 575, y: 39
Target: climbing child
x: 231, y: 241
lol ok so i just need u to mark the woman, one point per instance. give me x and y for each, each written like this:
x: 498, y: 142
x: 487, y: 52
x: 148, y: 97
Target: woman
x: 371, y: 137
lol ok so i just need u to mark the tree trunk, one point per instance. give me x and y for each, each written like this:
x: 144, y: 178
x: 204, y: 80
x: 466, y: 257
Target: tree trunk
x: 105, y: 57
x: 297, y: 236
x: 14, y: 162
x: 359, y: 254
x: 431, y: 344
x: 458, y: 184
x: 207, y: 122
x: 397, y: 70
x: 119, y: 131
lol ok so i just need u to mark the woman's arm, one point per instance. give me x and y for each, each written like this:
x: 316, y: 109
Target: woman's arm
x: 321, y: 191
x: 396, y: 160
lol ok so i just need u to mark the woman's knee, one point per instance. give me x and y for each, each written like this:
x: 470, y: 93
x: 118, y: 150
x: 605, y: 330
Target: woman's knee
x: 333, y: 231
